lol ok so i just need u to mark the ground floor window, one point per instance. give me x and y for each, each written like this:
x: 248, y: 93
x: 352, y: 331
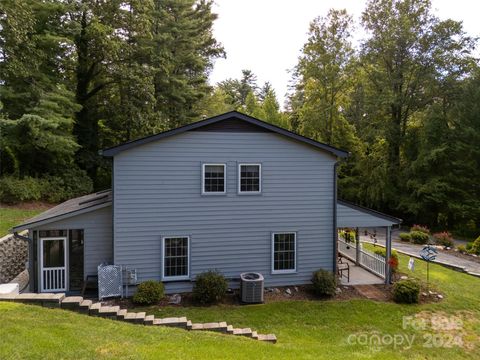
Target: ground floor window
x: 284, y: 252
x: 175, y: 257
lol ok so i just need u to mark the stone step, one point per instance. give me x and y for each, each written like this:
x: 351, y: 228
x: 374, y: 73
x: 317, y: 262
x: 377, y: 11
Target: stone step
x: 174, y: 322
x: 189, y: 325
x: 84, y: 306
x: 254, y: 335
x: 149, y: 320
x: 268, y: 338
x: 215, y: 326
x: 140, y: 318
x: 108, y: 311
x: 243, y: 332
x: 130, y: 317
x: 94, y: 308
x: 71, y: 302
x: 229, y: 329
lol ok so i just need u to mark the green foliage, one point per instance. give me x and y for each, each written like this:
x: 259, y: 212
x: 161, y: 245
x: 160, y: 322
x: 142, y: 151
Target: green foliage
x: 148, y: 293
x: 475, y: 248
x: 405, y: 237
x: 419, y: 237
x: 73, y: 182
x: 406, y: 291
x: 462, y: 249
x: 443, y: 238
x: 210, y: 287
x: 324, y: 283
x: 14, y: 190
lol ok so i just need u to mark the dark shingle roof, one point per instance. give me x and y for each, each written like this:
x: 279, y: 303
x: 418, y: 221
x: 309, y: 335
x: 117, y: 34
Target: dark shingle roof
x: 229, y: 115
x: 70, y: 207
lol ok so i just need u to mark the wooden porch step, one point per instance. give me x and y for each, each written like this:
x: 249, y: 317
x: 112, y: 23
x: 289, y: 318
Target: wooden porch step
x: 268, y: 338
x: 71, y: 302
x: 174, y: 322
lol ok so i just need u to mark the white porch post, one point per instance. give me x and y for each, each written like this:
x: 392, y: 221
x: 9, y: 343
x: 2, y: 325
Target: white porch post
x: 357, y: 244
x: 388, y: 252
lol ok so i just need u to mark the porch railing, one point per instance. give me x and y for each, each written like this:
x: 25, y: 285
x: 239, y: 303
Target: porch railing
x: 53, y: 279
x: 369, y: 260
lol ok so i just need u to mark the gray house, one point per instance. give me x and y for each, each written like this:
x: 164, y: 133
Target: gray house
x: 231, y: 193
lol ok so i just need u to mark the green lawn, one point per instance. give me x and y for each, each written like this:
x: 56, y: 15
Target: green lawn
x: 305, y: 329
x: 10, y: 216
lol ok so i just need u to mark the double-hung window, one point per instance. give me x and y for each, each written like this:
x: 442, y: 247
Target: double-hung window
x: 213, y: 179
x: 249, y: 178
x: 176, y: 252
x: 284, y: 248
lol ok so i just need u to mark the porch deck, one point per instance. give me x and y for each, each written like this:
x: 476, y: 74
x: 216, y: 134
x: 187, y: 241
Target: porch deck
x: 360, y: 276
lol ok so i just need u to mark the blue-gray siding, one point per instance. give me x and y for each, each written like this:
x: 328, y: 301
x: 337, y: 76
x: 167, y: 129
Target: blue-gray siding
x: 97, y: 226
x: 157, y: 192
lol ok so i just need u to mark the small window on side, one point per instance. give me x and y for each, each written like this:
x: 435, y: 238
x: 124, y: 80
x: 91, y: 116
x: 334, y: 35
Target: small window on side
x: 213, y: 179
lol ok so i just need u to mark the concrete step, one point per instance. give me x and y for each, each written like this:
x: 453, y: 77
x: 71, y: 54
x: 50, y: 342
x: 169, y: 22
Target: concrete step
x: 229, y: 329
x: 108, y: 311
x: 130, y: 317
x: 197, y: 327
x: 174, y: 322
x: 254, y: 335
x: 94, y: 308
x: 121, y: 314
x: 149, y: 320
x: 189, y: 325
x: 215, y: 326
x: 140, y: 318
x: 268, y: 338
x: 84, y: 306
x: 71, y: 302
x: 243, y: 332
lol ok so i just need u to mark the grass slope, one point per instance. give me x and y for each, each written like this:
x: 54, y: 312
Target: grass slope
x: 305, y: 329
x: 10, y: 216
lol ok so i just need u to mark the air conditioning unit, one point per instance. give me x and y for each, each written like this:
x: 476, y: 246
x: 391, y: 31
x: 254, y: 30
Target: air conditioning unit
x: 251, y: 287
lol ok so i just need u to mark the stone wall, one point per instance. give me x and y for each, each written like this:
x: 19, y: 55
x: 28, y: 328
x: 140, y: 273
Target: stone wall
x: 13, y: 256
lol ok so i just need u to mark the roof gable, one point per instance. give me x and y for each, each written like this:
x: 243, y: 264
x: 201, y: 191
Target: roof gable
x: 231, y: 121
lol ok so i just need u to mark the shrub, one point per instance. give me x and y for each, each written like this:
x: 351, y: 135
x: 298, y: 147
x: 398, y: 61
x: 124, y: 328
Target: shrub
x: 148, y: 293
x: 210, y: 287
x: 420, y: 228
x: 406, y: 291
x: 73, y: 182
x: 405, y: 237
x: 475, y: 249
x: 462, y: 249
x: 324, y: 283
x: 443, y: 238
x: 14, y: 190
x: 419, y: 237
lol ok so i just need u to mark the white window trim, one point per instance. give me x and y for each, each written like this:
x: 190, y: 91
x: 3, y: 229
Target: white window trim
x: 240, y: 179
x: 288, y: 271
x: 224, y: 180
x: 175, y: 278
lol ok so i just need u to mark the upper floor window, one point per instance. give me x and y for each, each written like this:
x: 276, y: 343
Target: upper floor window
x: 213, y: 179
x: 249, y: 180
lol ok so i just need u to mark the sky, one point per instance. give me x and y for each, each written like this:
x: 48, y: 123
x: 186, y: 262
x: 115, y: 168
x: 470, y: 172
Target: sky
x: 266, y: 36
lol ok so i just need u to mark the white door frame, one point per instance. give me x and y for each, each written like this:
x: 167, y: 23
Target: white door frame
x: 64, y: 268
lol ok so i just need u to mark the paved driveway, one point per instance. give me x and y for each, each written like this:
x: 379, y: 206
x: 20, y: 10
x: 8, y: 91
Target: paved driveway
x: 412, y: 249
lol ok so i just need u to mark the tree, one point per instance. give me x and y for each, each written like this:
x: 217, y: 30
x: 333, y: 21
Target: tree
x: 324, y: 76
x: 407, y: 53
